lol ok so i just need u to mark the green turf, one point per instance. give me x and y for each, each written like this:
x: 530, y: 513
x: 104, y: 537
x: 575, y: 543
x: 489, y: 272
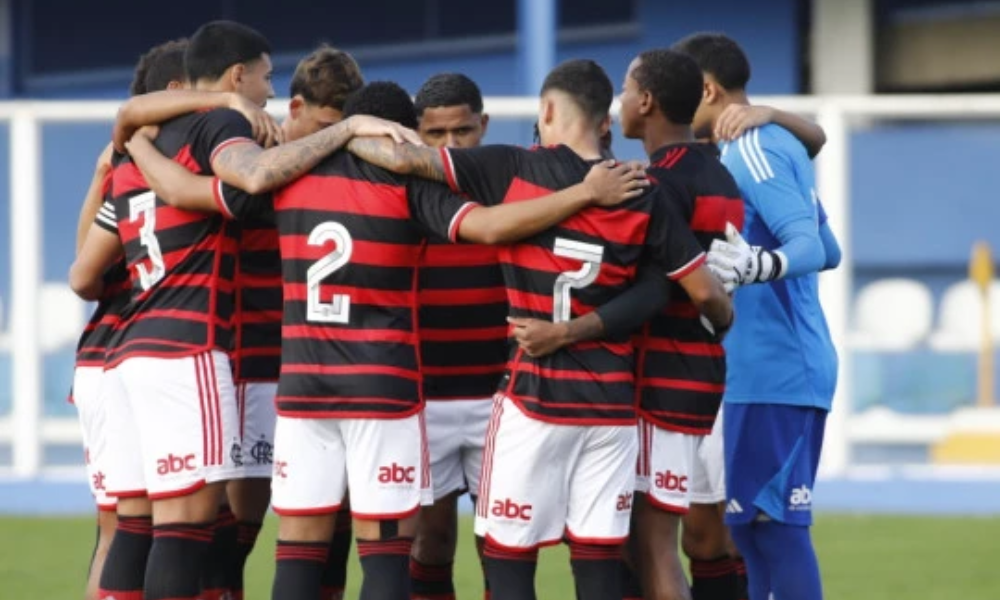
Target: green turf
x: 863, y: 558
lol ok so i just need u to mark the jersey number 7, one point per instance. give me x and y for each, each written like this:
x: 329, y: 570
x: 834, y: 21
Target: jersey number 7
x: 591, y: 255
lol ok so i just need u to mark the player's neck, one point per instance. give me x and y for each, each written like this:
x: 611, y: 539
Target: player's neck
x: 212, y: 86
x: 660, y: 132
x: 578, y: 137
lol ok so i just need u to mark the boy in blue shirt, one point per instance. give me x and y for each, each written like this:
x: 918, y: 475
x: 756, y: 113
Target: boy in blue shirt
x: 781, y: 363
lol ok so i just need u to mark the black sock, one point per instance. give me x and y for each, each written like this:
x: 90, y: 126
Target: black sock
x: 628, y: 577
x: 596, y: 571
x: 216, y: 574
x: 299, y: 570
x: 432, y: 582
x: 124, y: 573
x: 714, y: 579
x: 386, y: 568
x: 246, y: 538
x: 742, y: 584
x: 511, y: 572
x: 335, y: 570
x: 175, y: 561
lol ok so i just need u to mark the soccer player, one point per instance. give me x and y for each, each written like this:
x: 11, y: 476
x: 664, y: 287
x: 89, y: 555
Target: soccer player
x: 319, y: 88
x: 561, y: 447
x: 463, y: 346
x: 681, y: 365
x: 162, y: 67
x: 782, y: 365
x: 176, y: 422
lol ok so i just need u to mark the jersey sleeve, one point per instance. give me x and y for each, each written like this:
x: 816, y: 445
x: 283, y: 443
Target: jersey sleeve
x: 234, y: 203
x: 626, y: 312
x: 106, y: 218
x: 220, y: 128
x: 484, y: 173
x: 437, y: 208
x: 670, y: 243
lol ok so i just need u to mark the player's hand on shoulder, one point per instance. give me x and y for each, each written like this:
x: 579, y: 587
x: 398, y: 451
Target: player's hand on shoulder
x: 150, y: 132
x: 266, y: 130
x: 731, y: 260
x: 736, y: 119
x: 610, y: 183
x: 538, y: 338
x: 369, y: 126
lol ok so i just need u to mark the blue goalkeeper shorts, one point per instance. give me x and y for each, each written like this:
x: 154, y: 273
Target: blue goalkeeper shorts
x: 772, y: 453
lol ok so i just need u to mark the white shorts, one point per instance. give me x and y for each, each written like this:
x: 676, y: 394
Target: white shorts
x: 678, y: 469
x: 708, y: 477
x: 172, y: 425
x: 89, y: 399
x: 456, y: 435
x: 384, y: 462
x: 543, y: 481
x: 255, y: 406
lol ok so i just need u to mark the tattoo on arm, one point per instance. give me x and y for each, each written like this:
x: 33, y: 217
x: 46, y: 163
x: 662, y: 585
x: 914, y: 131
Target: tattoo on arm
x: 401, y: 158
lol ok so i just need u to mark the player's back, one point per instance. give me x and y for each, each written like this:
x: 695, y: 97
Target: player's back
x: 181, y: 262
x: 258, y: 301
x: 350, y: 243
x: 681, y: 367
x: 559, y: 274
x: 780, y: 344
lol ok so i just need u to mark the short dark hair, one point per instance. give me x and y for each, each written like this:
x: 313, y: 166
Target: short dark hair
x: 327, y: 77
x: 158, y: 67
x: 674, y: 80
x: 586, y: 83
x: 719, y: 56
x: 449, y: 89
x: 218, y: 45
x: 383, y: 99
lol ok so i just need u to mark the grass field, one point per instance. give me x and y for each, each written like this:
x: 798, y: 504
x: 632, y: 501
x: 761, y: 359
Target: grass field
x: 863, y: 558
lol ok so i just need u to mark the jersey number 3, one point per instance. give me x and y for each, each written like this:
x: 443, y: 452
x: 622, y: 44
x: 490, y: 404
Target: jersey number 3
x: 591, y: 255
x: 144, y: 206
x: 338, y: 309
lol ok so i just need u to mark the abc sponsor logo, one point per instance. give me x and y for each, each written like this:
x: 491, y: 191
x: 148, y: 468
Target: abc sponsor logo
x: 624, y: 502
x: 173, y: 463
x: 508, y: 509
x: 800, y: 499
x: 281, y: 469
x: 395, y: 473
x: 671, y: 482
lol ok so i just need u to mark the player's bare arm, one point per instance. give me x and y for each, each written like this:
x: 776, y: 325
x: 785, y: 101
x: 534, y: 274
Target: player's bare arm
x: 255, y: 170
x: 100, y: 250
x: 172, y: 183
x: 157, y: 107
x: 738, y: 118
x: 607, y: 184
x: 710, y: 298
x: 405, y: 159
x: 94, y: 198
x: 621, y: 316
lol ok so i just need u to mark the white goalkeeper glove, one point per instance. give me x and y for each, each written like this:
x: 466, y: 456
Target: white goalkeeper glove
x: 737, y: 263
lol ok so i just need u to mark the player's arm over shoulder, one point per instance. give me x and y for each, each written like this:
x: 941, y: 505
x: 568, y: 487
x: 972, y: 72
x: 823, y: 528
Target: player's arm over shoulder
x: 101, y: 248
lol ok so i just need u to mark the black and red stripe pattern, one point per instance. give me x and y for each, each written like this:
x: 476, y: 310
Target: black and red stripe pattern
x: 351, y: 239
x: 257, y: 347
x: 463, y: 321
x: 568, y: 271
x: 681, y: 369
x: 181, y: 263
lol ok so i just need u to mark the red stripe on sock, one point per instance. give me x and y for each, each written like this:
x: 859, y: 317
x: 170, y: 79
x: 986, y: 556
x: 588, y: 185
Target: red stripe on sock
x: 424, y: 572
x: 594, y: 552
x: 493, y: 551
x: 398, y: 546
x: 199, y: 533
x: 119, y: 594
x: 329, y: 593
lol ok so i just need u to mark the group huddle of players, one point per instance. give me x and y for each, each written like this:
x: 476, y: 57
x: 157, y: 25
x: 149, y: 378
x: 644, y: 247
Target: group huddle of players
x: 360, y: 314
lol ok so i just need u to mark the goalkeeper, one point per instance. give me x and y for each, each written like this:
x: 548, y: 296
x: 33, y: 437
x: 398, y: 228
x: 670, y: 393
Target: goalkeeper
x: 781, y: 363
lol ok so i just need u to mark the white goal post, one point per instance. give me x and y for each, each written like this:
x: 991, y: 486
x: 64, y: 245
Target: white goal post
x: 28, y: 432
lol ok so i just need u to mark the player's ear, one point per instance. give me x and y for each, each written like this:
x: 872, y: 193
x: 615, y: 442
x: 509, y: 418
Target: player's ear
x: 605, y: 125
x: 236, y: 73
x: 548, y: 111
x: 484, y: 122
x: 295, y: 105
x: 712, y: 92
x: 646, y: 102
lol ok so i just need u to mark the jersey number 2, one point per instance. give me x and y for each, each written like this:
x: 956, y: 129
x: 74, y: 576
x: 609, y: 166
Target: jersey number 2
x: 144, y: 205
x: 591, y: 255
x: 338, y: 309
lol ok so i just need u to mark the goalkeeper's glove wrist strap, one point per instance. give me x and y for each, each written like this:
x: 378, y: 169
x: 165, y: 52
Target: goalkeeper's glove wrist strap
x: 770, y: 265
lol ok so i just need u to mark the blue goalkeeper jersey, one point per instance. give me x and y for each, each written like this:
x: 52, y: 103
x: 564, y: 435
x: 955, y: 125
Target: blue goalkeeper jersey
x: 779, y: 350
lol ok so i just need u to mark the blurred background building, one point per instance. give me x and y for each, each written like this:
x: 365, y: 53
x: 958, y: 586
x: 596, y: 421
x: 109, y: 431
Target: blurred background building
x: 920, y: 191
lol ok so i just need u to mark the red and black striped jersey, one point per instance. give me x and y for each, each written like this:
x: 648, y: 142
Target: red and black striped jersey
x: 569, y: 270
x: 681, y: 368
x: 256, y: 352
x: 351, y: 235
x: 181, y: 262
x: 463, y: 321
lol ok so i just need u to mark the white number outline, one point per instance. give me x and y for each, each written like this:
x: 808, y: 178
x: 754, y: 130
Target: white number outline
x: 144, y: 205
x: 338, y: 310
x: 591, y: 255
